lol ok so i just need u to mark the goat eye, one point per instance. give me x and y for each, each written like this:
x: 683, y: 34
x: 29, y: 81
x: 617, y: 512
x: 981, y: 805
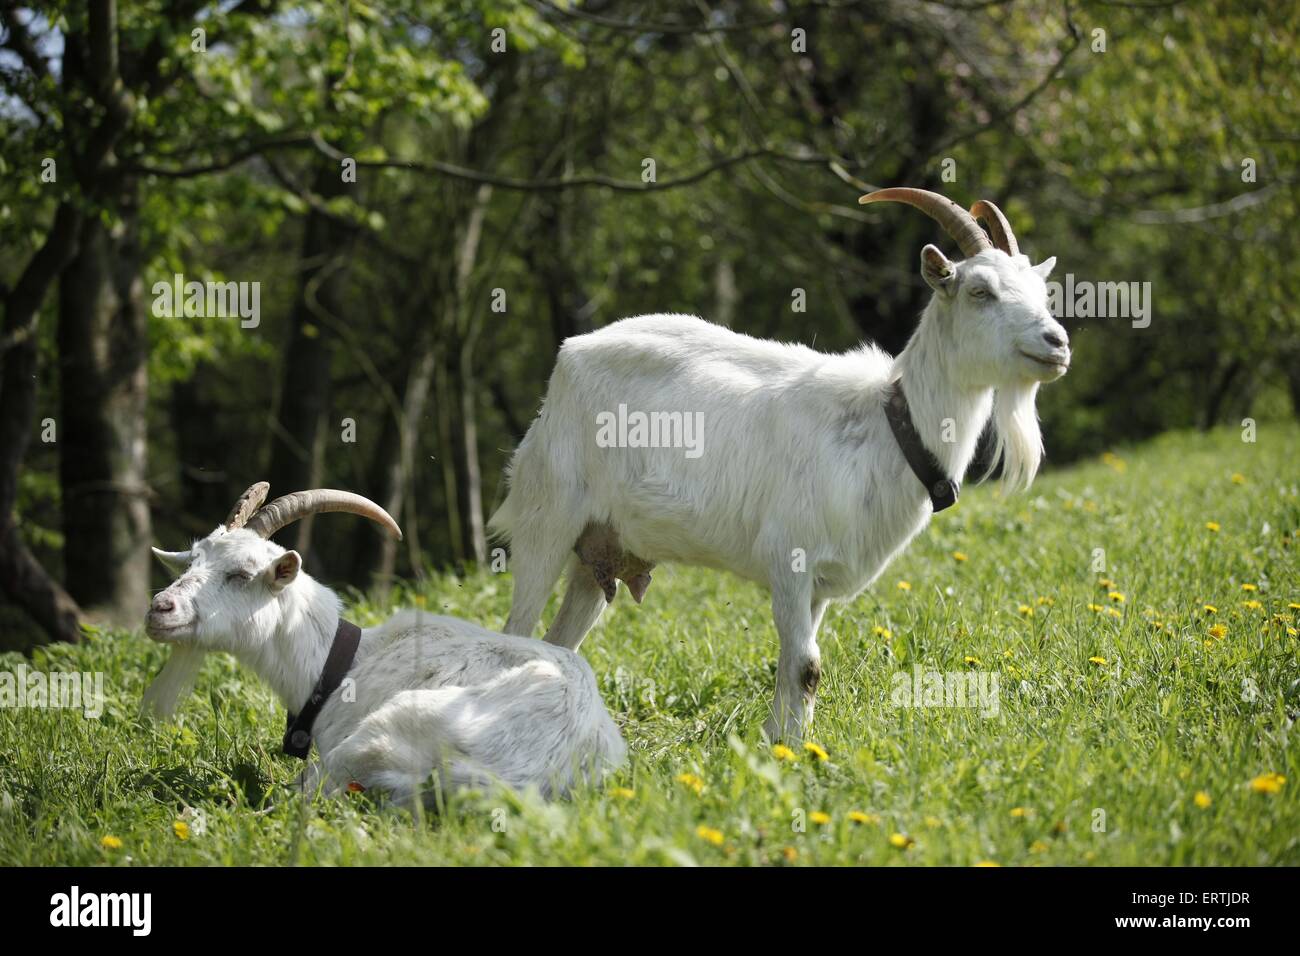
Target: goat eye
x: 981, y: 293
x: 238, y: 577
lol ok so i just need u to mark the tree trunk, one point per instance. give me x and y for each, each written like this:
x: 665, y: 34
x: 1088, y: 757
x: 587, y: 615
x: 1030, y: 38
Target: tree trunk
x: 299, y: 426
x: 103, y: 382
x: 206, y: 488
x: 469, y: 323
x: 725, y: 294
x: 393, y: 475
x: 22, y: 578
x: 467, y: 461
x: 445, y: 404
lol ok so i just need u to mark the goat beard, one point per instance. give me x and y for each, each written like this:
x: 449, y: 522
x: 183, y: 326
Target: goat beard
x: 1018, y: 442
x: 173, y: 682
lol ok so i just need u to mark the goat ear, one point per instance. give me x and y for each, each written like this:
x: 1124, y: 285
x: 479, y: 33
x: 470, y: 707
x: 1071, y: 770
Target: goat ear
x: 174, y: 561
x: 939, y: 273
x: 1044, y: 268
x: 283, y: 570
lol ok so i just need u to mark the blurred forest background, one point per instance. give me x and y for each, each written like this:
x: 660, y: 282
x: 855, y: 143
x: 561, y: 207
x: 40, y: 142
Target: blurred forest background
x: 500, y: 203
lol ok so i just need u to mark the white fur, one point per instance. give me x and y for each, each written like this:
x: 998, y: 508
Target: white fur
x: 797, y: 455
x: 431, y: 694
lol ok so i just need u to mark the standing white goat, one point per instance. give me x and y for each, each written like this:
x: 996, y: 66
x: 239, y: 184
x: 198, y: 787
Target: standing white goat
x: 427, y: 693
x: 802, y: 481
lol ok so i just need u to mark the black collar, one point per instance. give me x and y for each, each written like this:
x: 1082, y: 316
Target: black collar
x: 297, y: 731
x: 941, y: 489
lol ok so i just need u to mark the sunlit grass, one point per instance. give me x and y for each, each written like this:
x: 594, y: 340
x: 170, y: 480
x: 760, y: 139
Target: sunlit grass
x: 1134, y: 726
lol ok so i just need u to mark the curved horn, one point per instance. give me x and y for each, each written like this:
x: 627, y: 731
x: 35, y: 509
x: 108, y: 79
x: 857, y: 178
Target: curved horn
x: 289, y: 508
x: 247, y: 505
x: 999, y: 228
x: 176, y: 561
x: 957, y: 222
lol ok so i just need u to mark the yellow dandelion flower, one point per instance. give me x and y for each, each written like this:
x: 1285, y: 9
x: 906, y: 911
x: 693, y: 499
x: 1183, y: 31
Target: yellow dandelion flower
x: 1210, y: 609
x: 819, y: 818
x: 904, y: 585
x: 1268, y: 783
x: 1116, y: 596
x: 1212, y: 526
x: 857, y: 816
x: 790, y: 854
x: 110, y: 843
x: 1096, y: 608
x: 817, y: 751
x: 1202, y: 799
x: 1099, y: 661
x: 1238, y: 478
x: 901, y: 841
x: 1293, y: 606
x: 623, y: 793
x: 1038, y: 846
x: 882, y: 632
x: 933, y: 823
x: 1025, y: 610
x: 958, y: 556
x: 1217, y: 632
x: 987, y: 863
x: 691, y: 782
x: 972, y: 660
x: 181, y: 829
x: 782, y: 752
x: 1106, y: 584
x: 1113, y: 613
x: 1019, y: 812
x: 1251, y: 605
x: 1046, y: 601
x: 1250, y: 587
x: 709, y: 835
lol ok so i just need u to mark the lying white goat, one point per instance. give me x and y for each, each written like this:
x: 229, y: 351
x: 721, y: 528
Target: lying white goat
x: 423, y: 694
x: 812, y: 471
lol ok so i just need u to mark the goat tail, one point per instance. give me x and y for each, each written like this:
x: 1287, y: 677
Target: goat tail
x: 173, y: 682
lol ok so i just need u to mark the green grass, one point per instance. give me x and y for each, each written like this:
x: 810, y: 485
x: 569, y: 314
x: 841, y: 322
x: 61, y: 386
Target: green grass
x: 1170, y: 712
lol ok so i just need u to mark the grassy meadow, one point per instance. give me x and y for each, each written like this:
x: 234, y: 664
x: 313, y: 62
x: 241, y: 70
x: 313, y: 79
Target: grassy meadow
x: 1143, y: 715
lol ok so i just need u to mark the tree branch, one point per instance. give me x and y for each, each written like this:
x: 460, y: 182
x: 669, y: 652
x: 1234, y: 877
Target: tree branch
x: 241, y: 155
x: 571, y: 182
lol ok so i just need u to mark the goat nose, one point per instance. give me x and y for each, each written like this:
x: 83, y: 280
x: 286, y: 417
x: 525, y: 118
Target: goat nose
x: 163, y: 604
x: 1054, y: 339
